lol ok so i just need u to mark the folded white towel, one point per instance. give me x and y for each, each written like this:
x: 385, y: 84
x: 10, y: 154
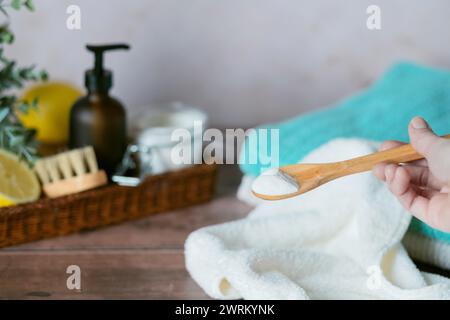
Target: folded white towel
x: 340, y: 241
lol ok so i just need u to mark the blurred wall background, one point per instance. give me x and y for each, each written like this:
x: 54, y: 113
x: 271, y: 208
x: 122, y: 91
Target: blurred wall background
x: 244, y: 62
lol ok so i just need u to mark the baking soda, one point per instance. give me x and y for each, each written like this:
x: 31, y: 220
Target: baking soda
x: 273, y: 183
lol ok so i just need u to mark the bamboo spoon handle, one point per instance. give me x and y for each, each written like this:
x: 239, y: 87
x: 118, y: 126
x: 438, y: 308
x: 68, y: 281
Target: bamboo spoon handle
x: 405, y: 153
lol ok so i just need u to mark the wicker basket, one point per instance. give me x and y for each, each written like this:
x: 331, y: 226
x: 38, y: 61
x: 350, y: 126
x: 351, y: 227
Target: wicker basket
x: 111, y: 204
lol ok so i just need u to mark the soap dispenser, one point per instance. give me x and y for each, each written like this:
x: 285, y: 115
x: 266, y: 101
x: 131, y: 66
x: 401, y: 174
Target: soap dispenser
x: 98, y: 119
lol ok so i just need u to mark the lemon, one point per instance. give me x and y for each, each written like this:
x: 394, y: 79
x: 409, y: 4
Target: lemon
x: 51, y: 118
x: 18, y: 183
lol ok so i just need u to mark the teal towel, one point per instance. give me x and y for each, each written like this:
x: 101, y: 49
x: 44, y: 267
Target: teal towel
x: 382, y: 112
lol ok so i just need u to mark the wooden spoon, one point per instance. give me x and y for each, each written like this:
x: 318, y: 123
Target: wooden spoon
x: 310, y: 176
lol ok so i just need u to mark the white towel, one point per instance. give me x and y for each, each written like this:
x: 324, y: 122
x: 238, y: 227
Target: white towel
x: 340, y: 241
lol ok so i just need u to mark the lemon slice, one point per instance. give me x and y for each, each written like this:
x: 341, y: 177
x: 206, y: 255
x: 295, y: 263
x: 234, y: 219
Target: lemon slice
x: 18, y: 183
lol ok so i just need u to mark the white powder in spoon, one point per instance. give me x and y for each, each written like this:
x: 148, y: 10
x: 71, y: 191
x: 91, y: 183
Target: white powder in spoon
x: 274, y: 183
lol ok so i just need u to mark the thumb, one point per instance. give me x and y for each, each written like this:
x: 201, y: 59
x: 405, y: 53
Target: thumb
x: 434, y: 148
x: 423, y: 139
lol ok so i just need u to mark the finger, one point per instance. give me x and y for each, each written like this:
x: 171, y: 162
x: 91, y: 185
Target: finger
x: 426, y: 192
x: 390, y: 144
x: 400, y: 184
x: 428, y: 205
x: 418, y: 175
x: 422, y: 177
x: 398, y: 180
x: 434, y: 211
x: 435, y: 149
x: 379, y: 171
x: 423, y: 139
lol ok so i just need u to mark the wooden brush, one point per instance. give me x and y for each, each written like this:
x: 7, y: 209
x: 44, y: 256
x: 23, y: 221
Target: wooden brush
x: 70, y: 172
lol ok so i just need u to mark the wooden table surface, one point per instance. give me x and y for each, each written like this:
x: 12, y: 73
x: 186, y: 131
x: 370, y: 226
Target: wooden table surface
x: 141, y: 259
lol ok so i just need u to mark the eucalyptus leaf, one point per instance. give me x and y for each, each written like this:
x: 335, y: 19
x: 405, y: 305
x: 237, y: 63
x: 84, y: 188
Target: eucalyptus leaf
x: 4, y: 112
x: 29, y: 5
x: 6, y: 37
x: 35, y: 103
x: 14, y: 137
x: 24, y: 107
x: 43, y: 75
x: 4, y: 11
x: 16, y: 4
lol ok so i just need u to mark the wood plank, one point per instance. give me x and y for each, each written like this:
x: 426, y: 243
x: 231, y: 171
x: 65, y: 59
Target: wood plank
x: 163, y: 231
x: 106, y: 274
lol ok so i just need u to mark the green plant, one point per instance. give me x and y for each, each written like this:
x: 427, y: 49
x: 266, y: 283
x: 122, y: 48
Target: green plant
x: 14, y: 136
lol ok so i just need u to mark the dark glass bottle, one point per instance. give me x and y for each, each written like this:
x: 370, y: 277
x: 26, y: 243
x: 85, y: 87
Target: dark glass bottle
x: 98, y: 119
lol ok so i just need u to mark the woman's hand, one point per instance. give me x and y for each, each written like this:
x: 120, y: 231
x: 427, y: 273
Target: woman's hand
x: 423, y: 186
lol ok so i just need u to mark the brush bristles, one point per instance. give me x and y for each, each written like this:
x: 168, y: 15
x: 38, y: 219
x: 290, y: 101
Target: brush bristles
x: 76, y: 161
x: 91, y: 160
x: 51, y: 164
x: 66, y: 165
x: 41, y: 171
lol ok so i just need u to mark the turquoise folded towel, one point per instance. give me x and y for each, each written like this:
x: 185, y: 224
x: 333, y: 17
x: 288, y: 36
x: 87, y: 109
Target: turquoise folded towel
x: 381, y: 112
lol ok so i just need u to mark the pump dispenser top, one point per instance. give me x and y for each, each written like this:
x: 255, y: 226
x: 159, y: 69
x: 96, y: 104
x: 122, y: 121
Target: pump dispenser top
x: 99, y: 79
x: 98, y: 119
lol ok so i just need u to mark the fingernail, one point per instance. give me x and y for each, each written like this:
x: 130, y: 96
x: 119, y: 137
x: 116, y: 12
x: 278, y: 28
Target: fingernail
x: 389, y: 172
x: 419, y: 123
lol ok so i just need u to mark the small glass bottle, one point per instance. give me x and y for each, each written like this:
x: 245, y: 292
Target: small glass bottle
x: 98, y: 119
